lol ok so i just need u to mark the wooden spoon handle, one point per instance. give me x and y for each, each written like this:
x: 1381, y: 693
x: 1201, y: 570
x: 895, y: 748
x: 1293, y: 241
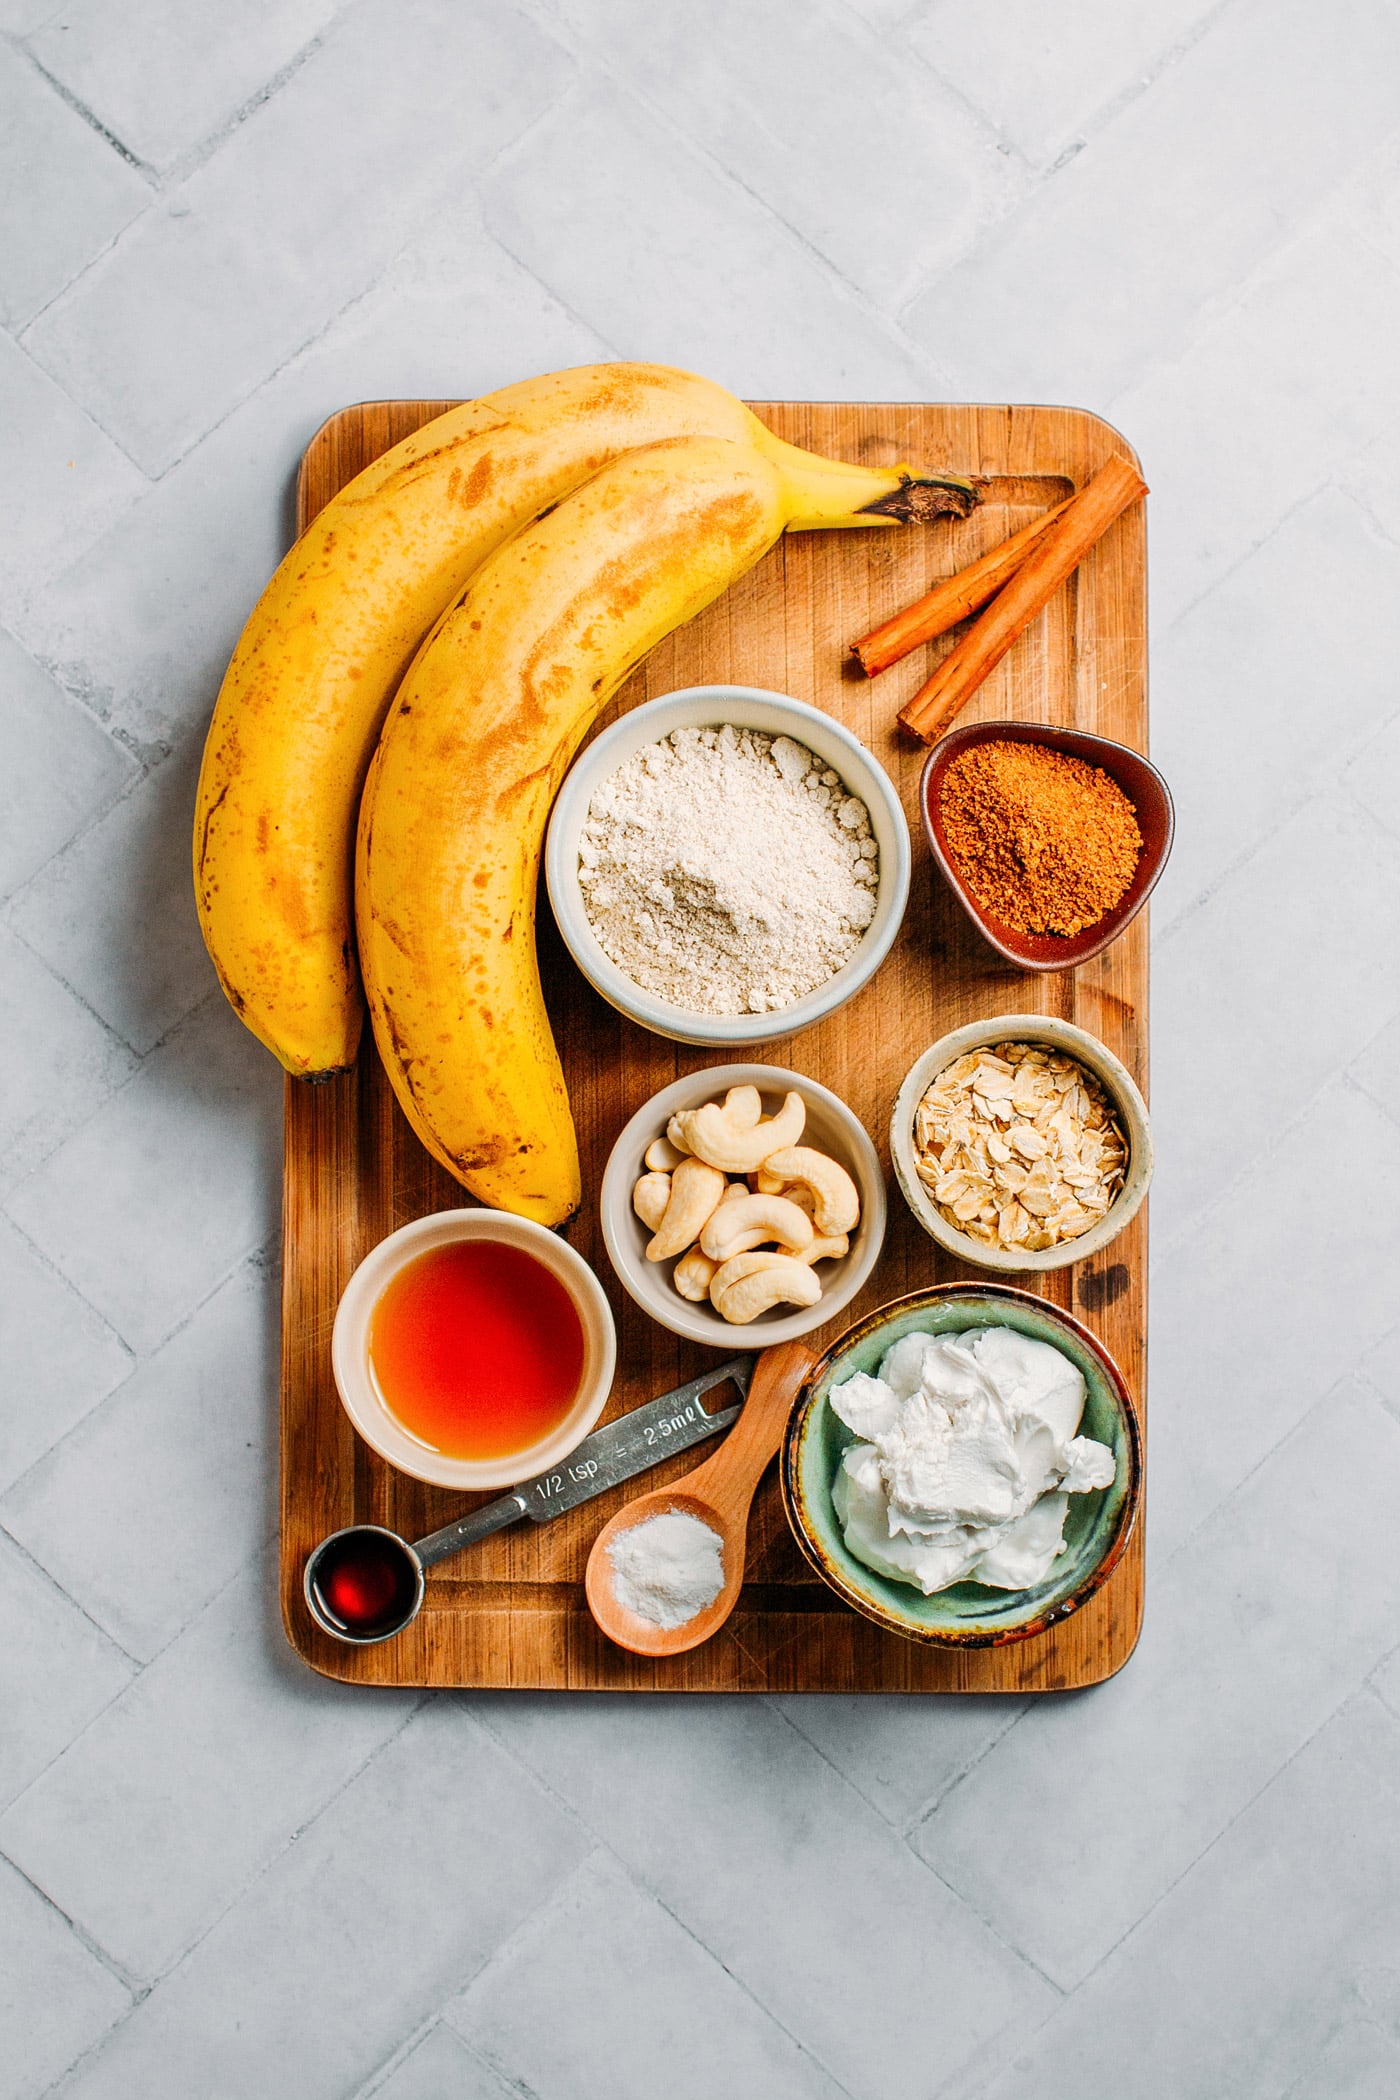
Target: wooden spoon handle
x: 729, y: 1478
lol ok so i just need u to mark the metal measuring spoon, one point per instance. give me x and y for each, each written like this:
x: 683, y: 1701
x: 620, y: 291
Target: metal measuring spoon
x: 365, y: 1583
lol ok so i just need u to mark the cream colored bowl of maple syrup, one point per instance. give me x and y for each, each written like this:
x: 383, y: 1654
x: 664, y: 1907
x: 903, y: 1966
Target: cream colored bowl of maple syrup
x: 473, y: 1349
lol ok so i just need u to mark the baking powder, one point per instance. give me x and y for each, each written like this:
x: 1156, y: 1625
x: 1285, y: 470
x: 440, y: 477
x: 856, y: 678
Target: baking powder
x: 667, y: 1568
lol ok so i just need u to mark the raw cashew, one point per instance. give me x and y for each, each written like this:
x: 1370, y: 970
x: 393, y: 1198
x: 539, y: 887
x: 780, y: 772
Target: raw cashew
x: 750, y: 1284
x: 692, y: 1274
x: 695, y: 1190
x: 713, y: 1133
x: 743, y: 1105
x: 765, y: 1184
x: 824, y: 1247
x: 650, y: 1198
x: 753, y: 1221
x: 837, y: 1204
x: 662, y: 1157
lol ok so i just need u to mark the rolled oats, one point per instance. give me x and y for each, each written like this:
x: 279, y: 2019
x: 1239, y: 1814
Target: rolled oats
x: 1019, y: 1147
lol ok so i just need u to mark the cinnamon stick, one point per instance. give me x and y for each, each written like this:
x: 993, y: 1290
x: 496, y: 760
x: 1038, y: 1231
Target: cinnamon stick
x: 952, y: 600
x: 1085, y: 520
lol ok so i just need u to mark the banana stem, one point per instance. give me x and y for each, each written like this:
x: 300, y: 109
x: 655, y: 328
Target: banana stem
x: 920, y: 498
x: 825, y: 493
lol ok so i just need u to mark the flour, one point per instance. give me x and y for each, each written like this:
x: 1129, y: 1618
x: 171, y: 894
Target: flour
x: 726, y: 872
x: 667, y: 1568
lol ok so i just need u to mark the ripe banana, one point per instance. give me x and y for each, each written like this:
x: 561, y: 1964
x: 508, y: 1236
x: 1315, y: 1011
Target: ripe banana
x: 473, y: 750
x: 331, y: 636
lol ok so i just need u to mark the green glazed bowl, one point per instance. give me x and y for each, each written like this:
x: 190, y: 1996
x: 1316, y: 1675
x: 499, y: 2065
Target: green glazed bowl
x: 968, y: 1615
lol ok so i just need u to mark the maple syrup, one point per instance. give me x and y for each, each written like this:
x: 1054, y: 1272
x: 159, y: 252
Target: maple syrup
x: 476, y: 1349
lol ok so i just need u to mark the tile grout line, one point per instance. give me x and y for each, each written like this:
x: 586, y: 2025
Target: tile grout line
x: 139, y: 1666
x: 1335, y: 477
x: 1362, y: 1690
x: 1265, y: 1458
x: 52, y: 1582
x: 122, y: 1042
x: 203, y: 150
x: 603, y: 1845
x: 958, y: 1897
x: 1363, y: 504
x: 51, y: 1267
x: 1316, y: 791
x: 163, y: 183
x: 1312, y: 790
x: 143, y: 1057
x: 394, y: 2061
x: 148, y: 480
x: 920, y: 1816
x: 137, y: 1991
x: 260, y: 1256
x: 245, y: 1888
x: 1105, y: 114
x: 94, y: 123
x: 863, y: 301
x: 1219, y: 303
x: 1369, y: 1685
x: 266, y: 379
x: 114, y: 1036
x: 1101, y: 121
x: 1339, y: 1075
x: 637, y: 1883
x: 904, y: 1827
x: 1310, y: 793
x: 1364, y: 1378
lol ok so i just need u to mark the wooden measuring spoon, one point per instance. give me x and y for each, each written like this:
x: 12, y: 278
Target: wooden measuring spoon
x: 719, y: 1494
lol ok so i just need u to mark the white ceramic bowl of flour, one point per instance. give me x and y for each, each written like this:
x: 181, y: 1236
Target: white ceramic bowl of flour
x: 710, y: 707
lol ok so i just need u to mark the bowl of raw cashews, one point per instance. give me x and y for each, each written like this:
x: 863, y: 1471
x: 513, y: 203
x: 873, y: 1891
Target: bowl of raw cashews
x: 743, y: 1206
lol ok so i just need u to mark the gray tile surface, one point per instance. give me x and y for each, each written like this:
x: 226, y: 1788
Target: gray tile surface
x: 231, y: 273
x: 1240, y: 1979
x: 1044, y: 78
x: 163, y: 78
x: 62, y: 768
x: 183, y: 1790
x: 65, y: 480
x: 88, y: 192
x: 602, y: 1960
x: 60, y: 1062
x: 222, y: 1876
x: 440, y: 2067
x: 146, y: 1509
x: 56, y: 1998
x: 61, y: 1358
x: 344, y: 1944
x: 1248, y: 1657
x: 661, y: 251
x: 689, y: 1792
x: 114, y: 916
x: 1182, y: 193
x: 57, y: 1670
x: 750, y: 85
x: 153, y: 1199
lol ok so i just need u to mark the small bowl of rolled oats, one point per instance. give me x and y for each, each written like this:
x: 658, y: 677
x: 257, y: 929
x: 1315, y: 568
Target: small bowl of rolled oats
x: 1021, y: 1143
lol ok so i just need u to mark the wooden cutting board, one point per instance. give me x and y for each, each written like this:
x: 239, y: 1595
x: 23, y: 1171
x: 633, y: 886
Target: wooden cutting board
x: 512, y: 1611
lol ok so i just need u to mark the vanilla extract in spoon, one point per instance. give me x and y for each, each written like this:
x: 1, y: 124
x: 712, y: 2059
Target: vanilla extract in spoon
x: 365, y: 1583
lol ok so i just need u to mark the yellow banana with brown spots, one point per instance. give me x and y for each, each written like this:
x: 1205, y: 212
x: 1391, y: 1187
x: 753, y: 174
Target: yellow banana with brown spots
x: 330, y: 638
x: 473, y: 750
